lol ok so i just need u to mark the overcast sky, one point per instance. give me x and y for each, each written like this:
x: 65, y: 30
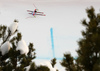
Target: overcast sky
x: 56, y: 0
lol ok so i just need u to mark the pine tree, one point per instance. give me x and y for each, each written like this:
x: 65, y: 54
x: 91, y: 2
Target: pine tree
x: 12, y: 59
x: 89, y: 45
x: 68, y: 63
x: 53, y: 62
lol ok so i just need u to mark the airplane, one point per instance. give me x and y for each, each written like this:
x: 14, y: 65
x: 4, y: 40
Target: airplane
x: 35, y: 12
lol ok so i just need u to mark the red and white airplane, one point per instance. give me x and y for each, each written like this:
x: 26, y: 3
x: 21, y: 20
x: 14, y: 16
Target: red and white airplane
x: 35, y: 12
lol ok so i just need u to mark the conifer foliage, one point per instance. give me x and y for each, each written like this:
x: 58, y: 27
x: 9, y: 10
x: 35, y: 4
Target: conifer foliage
x: 68, y: 62
x: 10, y: 58
x: 89, y: 45
x: 53, y: 62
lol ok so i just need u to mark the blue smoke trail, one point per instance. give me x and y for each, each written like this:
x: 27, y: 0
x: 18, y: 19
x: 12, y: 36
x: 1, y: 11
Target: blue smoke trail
x: 52, y: 41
